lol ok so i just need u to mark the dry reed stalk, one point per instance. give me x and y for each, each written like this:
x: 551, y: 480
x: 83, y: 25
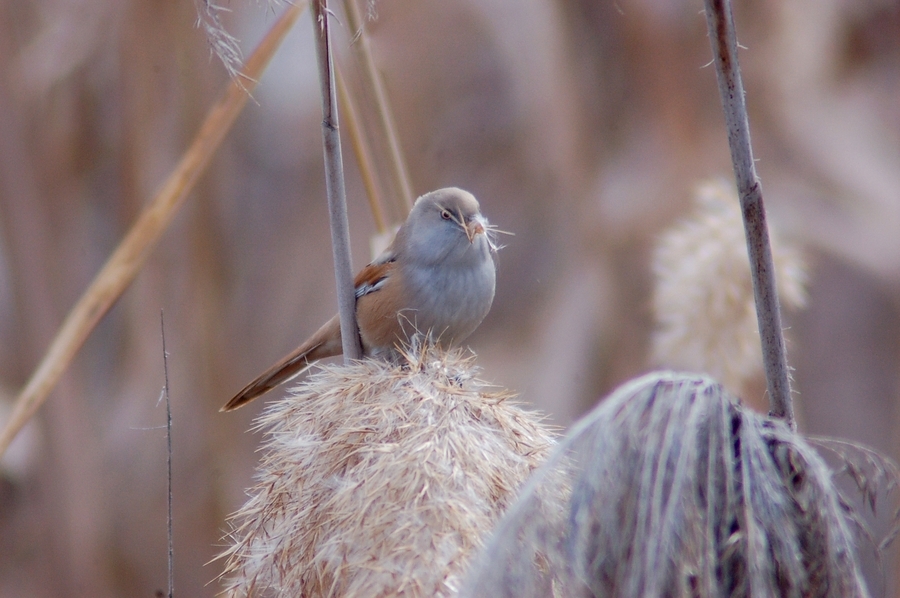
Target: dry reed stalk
x: 131, y: 254
x: 720, y: 24
x: 334, y: 185
x: 676, y: 490
x: 703, y: 294
x: 381, y: 480
x: 362, y: 151
x: 372, y: 79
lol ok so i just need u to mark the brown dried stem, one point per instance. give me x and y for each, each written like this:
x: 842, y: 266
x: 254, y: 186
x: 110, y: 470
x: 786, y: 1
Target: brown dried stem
x: 720, y: 23
x: 334, y: 185
x: 131, y: 254
x: 372, y: 78
x: 363, y: 153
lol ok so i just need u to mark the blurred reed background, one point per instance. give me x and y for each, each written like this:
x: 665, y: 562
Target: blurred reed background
x: 582, y: 126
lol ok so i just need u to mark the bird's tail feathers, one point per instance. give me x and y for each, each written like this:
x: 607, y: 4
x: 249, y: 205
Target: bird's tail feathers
x: 326, y: 342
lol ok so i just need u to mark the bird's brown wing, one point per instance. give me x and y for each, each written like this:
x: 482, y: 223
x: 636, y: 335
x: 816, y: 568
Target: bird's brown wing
x: 374, y: 276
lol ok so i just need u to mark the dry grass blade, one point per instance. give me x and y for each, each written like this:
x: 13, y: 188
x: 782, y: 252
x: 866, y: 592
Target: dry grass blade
x: 676, y: 490
x: 872, y: 473
x: 399, y: 170
x: 363, y: 153
x: 128, y: 258
x: 381, y: 480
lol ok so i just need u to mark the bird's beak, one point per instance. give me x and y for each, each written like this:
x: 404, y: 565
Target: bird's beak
x: 474, y: 228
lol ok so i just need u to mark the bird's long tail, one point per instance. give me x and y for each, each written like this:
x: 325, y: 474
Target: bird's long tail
x: 326, y: 342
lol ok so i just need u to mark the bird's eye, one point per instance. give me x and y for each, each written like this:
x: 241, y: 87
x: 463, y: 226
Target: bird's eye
x: 445, y: 214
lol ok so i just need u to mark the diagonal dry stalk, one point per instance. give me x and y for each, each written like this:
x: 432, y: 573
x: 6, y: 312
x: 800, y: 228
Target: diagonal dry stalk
x: 334, y: 185
x: 131, y: 254
x: 362, y: 151
x: 720, y: 23
x: 372, y: 79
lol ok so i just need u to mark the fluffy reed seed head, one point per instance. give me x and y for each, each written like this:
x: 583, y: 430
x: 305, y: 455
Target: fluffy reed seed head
x: 676, y: 490
x: 703, y: 295
x: 221, y: 43
x: 379, y: 479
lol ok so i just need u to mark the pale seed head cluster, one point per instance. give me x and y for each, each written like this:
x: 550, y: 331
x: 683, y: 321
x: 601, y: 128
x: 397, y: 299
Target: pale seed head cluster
x: 703, y: 295
x: 676, y: 490
x: 381, y: 479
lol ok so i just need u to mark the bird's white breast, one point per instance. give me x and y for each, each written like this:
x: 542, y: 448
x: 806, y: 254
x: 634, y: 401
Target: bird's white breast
x: 451, y: 298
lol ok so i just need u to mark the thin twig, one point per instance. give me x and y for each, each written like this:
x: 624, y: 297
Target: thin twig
x: 162, y: 326
x: 720, y: 22
x: 334, y: 185
x: 400, y: 172
x: 131, y: 254
x: 362, y: 150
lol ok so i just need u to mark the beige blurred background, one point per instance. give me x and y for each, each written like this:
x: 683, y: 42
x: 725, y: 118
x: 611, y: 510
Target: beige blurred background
x: 582, y: 126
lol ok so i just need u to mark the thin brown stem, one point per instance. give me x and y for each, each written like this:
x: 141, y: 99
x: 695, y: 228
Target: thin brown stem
x: 362, y: 150
x: 372, y: 78
x: 171, y: 542
x: 131, y: 254
x: 720, y: 23
x: 334, y: 185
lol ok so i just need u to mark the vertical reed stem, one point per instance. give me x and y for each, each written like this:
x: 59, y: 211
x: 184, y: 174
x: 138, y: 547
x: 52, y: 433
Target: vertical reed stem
x: 720, y: 23
x: 334, y: 185
x: 399, y: 171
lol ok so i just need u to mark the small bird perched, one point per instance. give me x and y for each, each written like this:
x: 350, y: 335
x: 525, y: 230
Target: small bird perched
x: 436, y: 277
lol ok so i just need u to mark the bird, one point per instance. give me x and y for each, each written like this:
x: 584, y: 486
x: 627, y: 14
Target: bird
x: 437, y: 277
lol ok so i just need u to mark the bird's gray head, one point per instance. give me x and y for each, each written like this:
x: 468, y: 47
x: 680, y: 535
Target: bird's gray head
x: 446, y: 225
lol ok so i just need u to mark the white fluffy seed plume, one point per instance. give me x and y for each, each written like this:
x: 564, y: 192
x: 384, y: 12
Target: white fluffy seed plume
x: 679, y: 491
x: 381, y: 480
x: 703, y: 295
x: 221, y: 43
